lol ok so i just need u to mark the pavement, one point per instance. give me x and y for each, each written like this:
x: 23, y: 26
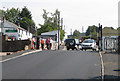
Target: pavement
x: 111, y: 65
x: 4, y: 55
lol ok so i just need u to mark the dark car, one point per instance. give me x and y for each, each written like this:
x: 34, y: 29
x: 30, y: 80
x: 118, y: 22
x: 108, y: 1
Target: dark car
x: 72, y: 44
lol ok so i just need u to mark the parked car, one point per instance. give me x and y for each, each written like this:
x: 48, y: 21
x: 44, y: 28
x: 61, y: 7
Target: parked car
x: 72, y: 44
x: 88, y: 44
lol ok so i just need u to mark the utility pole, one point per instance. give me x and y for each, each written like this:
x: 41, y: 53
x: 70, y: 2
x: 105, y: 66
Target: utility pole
x: 58, y: 30
x: 100, y: 37
x: 82, y: 29
x: 2, y: 21
x: 61, y: 23
x: 71, y: 31
x: 64, y: 28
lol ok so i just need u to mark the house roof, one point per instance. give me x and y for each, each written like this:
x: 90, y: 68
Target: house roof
x: 10, y: 24
x: 50, y: 33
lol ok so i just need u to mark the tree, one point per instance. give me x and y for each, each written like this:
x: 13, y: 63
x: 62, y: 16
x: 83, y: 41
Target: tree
x: 13, y: 15
x: 118, y: 29
x: 92, y: 30
x: 26, y: 19
x: 50, y: 23
x: 62, y: 34
x: 25, y: 13
x: 76, y: 34
x: 26, y: 23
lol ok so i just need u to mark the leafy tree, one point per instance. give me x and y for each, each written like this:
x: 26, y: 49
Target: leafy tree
x: 13, y: 15
x: 62, y: 34
x: 25, y: 13
x: 2, y: 12
x: 92, y: 30
x: 50, y: 23
x: 26, y: 23
x: 76, y: 34
x: 26, y: 19
x: 118, y: 28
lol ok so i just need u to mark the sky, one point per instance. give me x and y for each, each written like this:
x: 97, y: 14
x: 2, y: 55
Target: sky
x: 75, y: 13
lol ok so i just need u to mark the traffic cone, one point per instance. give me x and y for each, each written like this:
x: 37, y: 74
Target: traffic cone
x: 32, y: 45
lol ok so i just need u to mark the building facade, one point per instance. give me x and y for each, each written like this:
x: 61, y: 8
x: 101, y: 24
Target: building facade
x: 12, y: 30
x: 52, y: 34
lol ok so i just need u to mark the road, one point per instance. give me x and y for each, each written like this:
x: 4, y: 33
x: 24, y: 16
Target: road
x: 54, y: 65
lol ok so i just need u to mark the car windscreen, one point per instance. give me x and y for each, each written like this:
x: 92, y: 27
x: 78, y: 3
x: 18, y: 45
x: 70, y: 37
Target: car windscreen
x: 88, y: 41
x: 69, y: 41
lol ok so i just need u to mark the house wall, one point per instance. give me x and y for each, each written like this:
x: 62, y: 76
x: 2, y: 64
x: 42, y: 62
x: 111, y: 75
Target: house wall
x: 24, y: 34
x: 21, y: 33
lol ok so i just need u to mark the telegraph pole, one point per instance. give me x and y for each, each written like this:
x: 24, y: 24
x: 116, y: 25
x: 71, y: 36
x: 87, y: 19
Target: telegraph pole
x: 62, y: 23
x: 82, y: 29
x: 71, y: 31
x: 2, y: 21
x: 100, y: 37
x: 58, y: 30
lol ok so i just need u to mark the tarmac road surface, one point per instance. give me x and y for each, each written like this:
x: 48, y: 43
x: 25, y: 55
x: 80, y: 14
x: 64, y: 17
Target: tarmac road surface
x: 54, y: 65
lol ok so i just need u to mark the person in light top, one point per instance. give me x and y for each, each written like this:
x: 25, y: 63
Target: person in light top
x: 51, y: 43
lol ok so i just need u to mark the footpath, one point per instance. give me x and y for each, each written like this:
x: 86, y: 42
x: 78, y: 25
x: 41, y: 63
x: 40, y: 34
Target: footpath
x: 3, y: 55
x: 111, y: 66
x: 7, y: 55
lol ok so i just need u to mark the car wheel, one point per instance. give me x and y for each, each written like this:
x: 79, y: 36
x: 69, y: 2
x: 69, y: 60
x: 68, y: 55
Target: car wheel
x: 72, y: 48
x: 94, y: 49
x: 67, y: 48
x: 76, y: 48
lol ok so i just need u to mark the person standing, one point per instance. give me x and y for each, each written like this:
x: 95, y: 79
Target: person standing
x: 42, y: 43
x: 51, y: 43
x: 48, y: 43
x: 34, y: 42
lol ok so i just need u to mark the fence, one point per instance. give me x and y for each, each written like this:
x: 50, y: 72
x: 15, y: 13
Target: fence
x: 111, y: 43
x: 13, y: 46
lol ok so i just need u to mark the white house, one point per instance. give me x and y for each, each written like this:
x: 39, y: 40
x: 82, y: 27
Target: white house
x: 10, y: 29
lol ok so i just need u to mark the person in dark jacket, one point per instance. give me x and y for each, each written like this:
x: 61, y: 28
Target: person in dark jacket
x: 48, y: 43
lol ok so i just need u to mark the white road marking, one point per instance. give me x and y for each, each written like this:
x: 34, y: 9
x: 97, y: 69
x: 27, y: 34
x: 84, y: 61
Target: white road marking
x: 19, y: 55
x: 102, y: 65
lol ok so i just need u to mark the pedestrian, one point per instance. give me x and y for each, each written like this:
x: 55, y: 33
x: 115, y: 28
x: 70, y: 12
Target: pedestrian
x: 51, y: 43
x: 47, y: 43
x: 42, y: 43
x: 34, y: 41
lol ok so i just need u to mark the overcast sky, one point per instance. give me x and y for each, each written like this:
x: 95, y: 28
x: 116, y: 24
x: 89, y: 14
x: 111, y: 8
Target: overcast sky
x: 75, y: 13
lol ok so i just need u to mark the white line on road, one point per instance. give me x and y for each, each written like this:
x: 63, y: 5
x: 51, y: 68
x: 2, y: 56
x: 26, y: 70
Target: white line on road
x: 20, y: 55
x: 102, y: 65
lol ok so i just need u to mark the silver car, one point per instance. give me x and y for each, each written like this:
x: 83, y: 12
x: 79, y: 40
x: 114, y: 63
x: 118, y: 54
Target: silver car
x: 88, y: 44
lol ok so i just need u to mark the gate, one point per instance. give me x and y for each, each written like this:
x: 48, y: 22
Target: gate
x: 111, y: 43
